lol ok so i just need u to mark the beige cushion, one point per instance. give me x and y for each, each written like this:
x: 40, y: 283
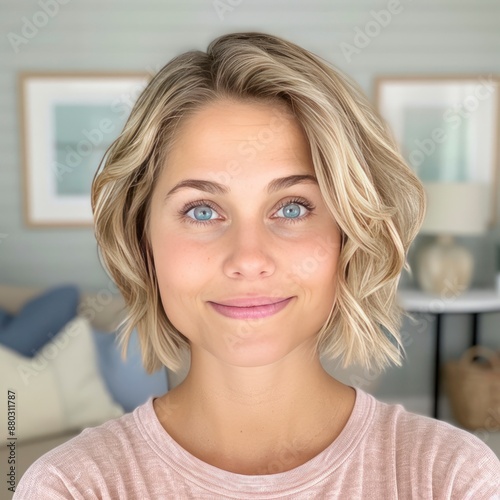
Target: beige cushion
x: 58, y: 390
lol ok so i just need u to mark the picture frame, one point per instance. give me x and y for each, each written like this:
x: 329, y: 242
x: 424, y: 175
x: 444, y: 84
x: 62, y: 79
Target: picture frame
x: 68, y: 121
x: 447, y: 127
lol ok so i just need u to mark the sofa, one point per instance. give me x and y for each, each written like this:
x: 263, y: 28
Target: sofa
x: 89, y: 348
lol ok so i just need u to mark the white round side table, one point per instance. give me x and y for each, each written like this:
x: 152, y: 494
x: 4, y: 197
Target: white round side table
x: 474, y: 302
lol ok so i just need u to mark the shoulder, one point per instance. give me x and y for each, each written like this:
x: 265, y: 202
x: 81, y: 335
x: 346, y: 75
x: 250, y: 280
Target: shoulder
x: 447, y: 458
x: 81, y: 463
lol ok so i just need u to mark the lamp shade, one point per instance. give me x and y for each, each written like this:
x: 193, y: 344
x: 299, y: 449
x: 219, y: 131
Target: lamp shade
x: 456, y: 208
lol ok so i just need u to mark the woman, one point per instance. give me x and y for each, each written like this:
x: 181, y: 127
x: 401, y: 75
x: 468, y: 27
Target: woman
x: 256, y: 213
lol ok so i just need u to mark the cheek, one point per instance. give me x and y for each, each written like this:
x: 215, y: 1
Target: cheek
x: 179, y: 270
x: 179, y: 265
x: 317, y: 262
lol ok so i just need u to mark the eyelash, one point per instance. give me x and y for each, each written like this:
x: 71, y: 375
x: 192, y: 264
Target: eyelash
x: 194, y: 204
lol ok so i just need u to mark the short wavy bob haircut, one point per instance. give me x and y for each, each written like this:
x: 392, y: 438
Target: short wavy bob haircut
x: 375, y: 198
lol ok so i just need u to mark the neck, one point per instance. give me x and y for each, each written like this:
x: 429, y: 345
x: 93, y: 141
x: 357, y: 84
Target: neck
x: 254, y: 411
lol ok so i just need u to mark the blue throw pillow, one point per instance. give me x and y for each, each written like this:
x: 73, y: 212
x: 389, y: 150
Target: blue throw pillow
x: 40, y: 319
x: 127, y: 381
x: 5, y: 318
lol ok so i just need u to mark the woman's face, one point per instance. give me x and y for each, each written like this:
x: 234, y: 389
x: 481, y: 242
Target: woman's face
x: 239, y: 233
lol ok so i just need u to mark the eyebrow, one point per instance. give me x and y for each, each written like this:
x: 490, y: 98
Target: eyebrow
x: 217, y: 188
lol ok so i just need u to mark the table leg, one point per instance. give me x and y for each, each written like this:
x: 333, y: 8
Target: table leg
x: 474, y: 328
x: 437, y: 365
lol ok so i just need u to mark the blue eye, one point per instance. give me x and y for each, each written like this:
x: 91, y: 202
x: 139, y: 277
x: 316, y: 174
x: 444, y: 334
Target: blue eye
x: 204, y: 209
x: 292, y: 209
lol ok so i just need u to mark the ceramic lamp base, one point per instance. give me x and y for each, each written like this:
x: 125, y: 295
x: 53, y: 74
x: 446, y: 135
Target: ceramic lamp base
x: 444, y: 267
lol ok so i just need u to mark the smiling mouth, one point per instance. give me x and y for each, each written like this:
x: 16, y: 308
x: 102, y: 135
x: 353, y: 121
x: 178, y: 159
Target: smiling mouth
x: 251, y: 301
x: 251, y: 312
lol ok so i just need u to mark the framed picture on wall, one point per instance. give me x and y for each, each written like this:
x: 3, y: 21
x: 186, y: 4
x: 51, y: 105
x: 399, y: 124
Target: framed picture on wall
x: 68, y: 121
x: 447, y: 128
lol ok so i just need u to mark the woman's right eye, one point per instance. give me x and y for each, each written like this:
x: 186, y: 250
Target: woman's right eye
x: 202, y: 209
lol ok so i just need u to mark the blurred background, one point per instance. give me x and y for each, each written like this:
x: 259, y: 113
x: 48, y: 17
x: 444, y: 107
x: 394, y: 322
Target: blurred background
x: 432, y: 68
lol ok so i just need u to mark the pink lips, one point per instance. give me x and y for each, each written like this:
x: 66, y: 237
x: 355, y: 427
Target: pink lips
x: 250, y: 312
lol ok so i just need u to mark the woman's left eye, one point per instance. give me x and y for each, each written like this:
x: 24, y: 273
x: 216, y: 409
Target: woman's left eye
x: 293, y: 208
x: 289, y: 207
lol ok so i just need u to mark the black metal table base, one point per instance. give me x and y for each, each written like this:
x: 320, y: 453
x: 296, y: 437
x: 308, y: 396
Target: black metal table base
x: 437, y: 358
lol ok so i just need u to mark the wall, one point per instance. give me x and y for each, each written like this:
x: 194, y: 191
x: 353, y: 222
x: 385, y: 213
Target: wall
x: 424, y: 37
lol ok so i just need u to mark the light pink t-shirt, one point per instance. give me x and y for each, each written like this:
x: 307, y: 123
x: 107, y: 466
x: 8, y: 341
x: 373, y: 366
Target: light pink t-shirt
x: 384, y: 452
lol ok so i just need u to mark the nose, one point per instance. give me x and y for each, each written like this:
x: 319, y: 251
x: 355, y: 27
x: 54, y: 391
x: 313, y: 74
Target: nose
x: 250, y: 251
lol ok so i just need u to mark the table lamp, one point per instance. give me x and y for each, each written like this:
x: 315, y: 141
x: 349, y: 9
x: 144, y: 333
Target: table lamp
x: 453, y: 209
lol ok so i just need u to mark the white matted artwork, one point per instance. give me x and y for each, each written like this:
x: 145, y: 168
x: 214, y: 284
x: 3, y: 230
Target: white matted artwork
x: 68, y: 123
x: 447, y: 128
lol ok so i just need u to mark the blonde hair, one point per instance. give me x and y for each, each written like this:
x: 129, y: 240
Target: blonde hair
x: 375, y: 198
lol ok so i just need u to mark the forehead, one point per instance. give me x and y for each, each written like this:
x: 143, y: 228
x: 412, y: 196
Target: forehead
x: 242, y: 139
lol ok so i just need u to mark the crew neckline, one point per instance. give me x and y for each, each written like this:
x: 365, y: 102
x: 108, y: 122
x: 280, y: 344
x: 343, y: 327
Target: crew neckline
x: 222, y: 482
